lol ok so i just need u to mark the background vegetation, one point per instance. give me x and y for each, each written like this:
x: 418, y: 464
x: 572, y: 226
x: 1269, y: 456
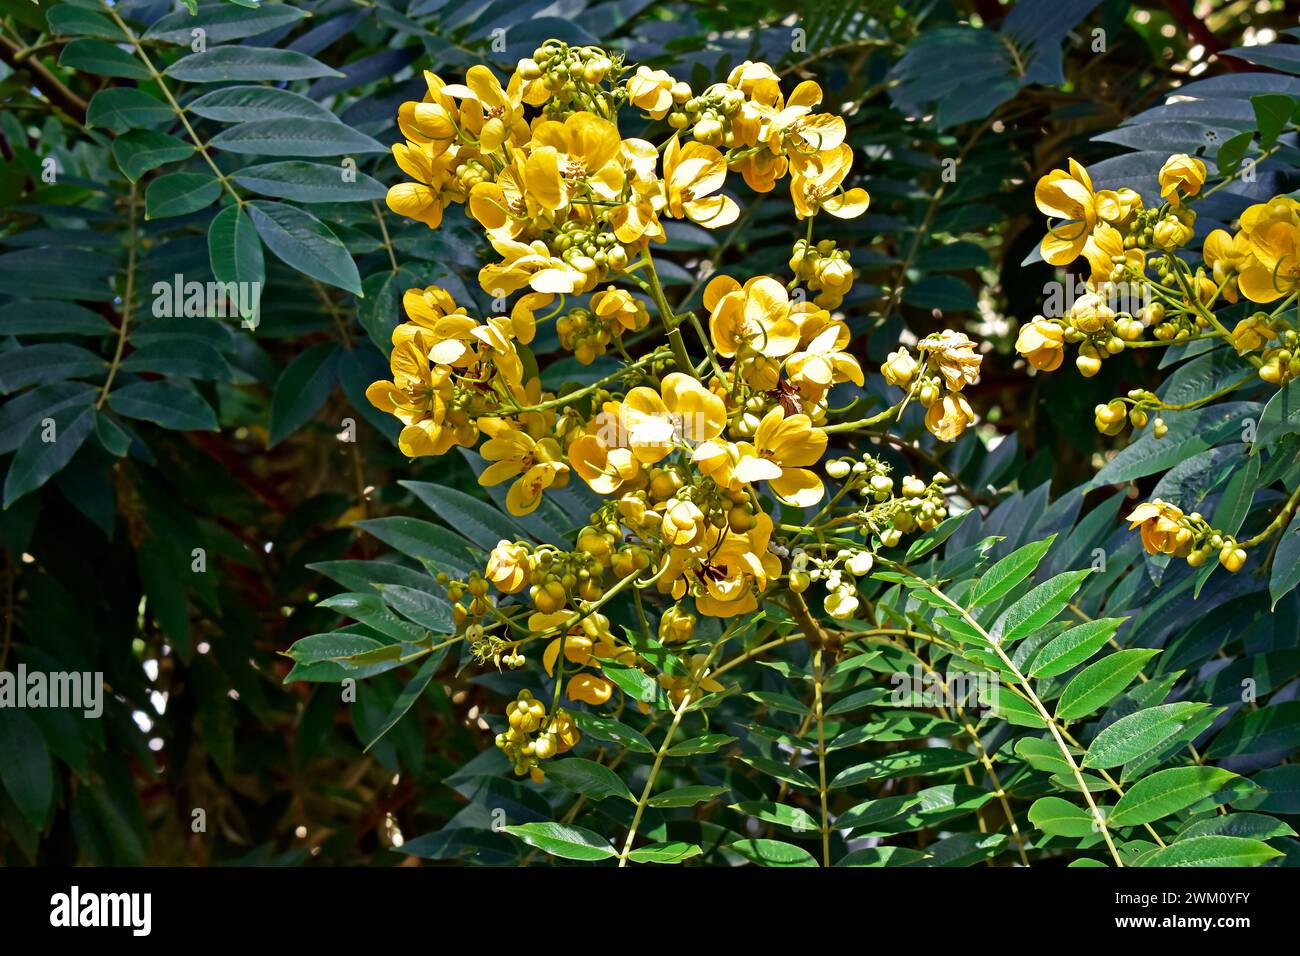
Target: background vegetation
x: 188, y: 433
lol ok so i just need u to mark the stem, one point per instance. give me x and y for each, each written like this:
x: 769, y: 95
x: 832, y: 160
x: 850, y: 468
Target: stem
x: 666, y: 316
x: 644, y: 799
x: 819, y: 678
x: 1034, y: 701
x: 128, y: 299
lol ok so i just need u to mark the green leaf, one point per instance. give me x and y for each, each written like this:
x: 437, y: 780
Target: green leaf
x: 241, y: 104
x: 409, y: 695
x: 563, y: 840
x: 221, y: 24
x: 780, y: 770
x: 1000, y: 579
x: 772, y: 853
x: 1233, y: 151
x: 102, y: 59
x: 779, y: 813
x: 52, y: 362
x: 1286, y: 562
x: 664, y: 853
x: 27, y: 771
x: 51, y: 318
x: 335, y: 646
x: 178, y: 194
x: 1213, y: 851
x: 1038, y: 607
x: 69, y: 20
x: 423, y: 540
x: 224, y: 64
x: 1281, y: 416
x: 588, y: 778
x: 44, y: 452
x: 125, y: 107
x: 686, y: 796
x: 310, y: 182
x: 302, y: 241
x: 607, y: 728
x: 635, y: 683
x: 1074, y: 646
x: 474, y: 519
x: 370, y: 610
x: 1272, y: 114
x: 907, y: 763
x: 882, y: 856
x: 235, y: 254
x: 1166, y: 792
x: 1057, y: 817
x: 706, y: 744
x: 420, y: 607
x: 296, y: 136
x: 1272, y: 728
x: 165, y: 404
x: 301, y: 390
x: 1098, y: 683
x: 1133, y: 736
x: 141, y: 150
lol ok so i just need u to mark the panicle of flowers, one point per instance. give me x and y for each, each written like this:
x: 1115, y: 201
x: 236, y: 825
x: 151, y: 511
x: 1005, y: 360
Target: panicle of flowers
x: 691, y: 460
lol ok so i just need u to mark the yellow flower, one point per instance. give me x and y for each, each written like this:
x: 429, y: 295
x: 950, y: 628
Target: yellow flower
x: 1091, y: 313
x: 736, y: 571
x: 682, y: 410
x: 816, y: 184
x: 523, y: 316
x: 620, y: 308
x: 1067, y: 196
x: 431, y: 123
x: 535, y: 465
x: 603, y: 467
x: 1117, y: 206
x: 821, y: 361
x: 1257, y: 218
x: 682, y: 523
x: 507, y: 567
x: 1226, y: 255
x: 676, y: 626
x: 899, y: 368
x: 782, y: 447
x: 1042, y: 343
x: 651, y: 90
x: 954, y: 355
x: 757, y: 80
x: 1181, y: 174
x: 589, y: 689
x: 1251, y: 333
x: 757, y: 315
x: 948, y: 417
x: 576, y: 156
x: 502, y: 206
x: 1274, y: 271
x: 423, y: 199
x: 530, y: 264
x: 500, y: 114
x: 692, y: 174
x: 638, y: 215
x: 1162, y: 527
x: 1103, y: 247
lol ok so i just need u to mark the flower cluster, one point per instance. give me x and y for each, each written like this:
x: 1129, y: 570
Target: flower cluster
x: 1142, y: 293
x: 692, y: 460
x: 1148, y: 288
